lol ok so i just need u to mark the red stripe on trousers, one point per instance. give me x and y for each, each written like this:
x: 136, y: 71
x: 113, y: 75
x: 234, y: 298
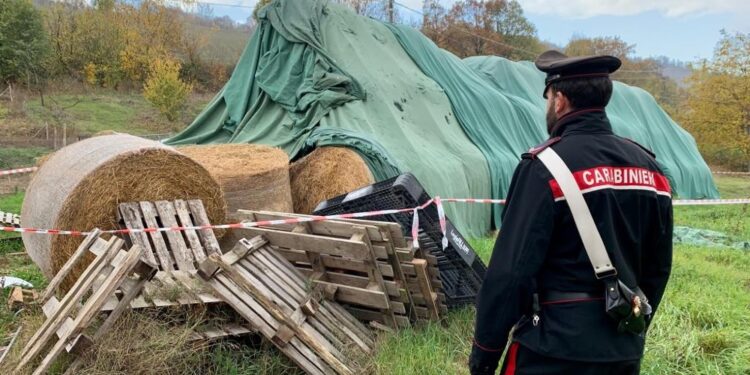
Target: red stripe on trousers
x: 512, y: 354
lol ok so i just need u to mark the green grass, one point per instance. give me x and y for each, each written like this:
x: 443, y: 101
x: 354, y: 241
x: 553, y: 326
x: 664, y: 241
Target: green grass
x: 93, y: 113
x: 732, y: 187
x: 11, y: 202
x: 19, y: 157
x: 99, y: 110
x: 729, y: 219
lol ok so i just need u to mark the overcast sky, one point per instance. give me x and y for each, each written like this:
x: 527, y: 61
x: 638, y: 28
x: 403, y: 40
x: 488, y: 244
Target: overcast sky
x: 680, y: 29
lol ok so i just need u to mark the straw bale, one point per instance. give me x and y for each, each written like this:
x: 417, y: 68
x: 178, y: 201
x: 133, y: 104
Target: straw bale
x: 80, y: 186
x: 252, y: 177
x: 325, y: 173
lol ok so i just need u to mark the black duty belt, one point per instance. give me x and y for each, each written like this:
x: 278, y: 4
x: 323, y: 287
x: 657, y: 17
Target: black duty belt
x: 554, y: 297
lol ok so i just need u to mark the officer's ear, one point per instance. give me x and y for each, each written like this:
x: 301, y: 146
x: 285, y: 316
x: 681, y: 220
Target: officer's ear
x: 562, y: 103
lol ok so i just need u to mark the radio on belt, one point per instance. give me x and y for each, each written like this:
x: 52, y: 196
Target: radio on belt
x: 461, y: 270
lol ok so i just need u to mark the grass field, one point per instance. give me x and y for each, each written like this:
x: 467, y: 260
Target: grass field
x: 702, y: 327
x: 92, y: 110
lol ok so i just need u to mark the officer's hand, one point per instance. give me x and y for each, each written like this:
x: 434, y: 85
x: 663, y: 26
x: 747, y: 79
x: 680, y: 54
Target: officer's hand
x: 483, y: 362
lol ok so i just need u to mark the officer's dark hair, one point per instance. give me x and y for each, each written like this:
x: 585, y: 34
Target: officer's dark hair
x: 585, y: 92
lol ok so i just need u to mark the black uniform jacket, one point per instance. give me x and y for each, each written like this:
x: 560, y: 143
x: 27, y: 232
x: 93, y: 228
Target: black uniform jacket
x: 539, y: 248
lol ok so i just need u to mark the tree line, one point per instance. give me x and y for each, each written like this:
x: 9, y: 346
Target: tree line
x: 119, y: 44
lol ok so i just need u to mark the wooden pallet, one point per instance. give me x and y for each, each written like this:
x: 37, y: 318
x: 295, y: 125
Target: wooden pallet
x: 349, y: 255
x: 176, y: 252
x: 9, y: 219
x: 273, y: 296
x: 113, y: 269
x: 172, y: 250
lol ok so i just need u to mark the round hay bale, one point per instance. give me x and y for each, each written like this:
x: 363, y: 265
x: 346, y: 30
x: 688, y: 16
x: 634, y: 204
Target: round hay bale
x: 80, y: 186
x: 252, y: 177
x: 325, y: 173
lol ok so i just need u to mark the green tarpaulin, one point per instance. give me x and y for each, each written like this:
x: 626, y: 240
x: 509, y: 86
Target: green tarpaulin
x: 633, y: 113
x: 315, y: 74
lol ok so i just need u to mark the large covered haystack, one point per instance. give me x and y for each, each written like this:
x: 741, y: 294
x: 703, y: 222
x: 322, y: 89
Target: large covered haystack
x: 253, y: 177
x: 325, y: 173
x: 80, y: 186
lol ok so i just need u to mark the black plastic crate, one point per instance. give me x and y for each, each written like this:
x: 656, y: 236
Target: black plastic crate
x: 461, y: 270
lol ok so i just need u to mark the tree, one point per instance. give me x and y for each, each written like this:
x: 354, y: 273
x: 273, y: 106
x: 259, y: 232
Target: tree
x: 85, y: 41
x: 580, y: 46
x: 23, y: 43
x: 481, y: 27
x: 644, y: 73
x: 151, y: 31
x: 717, y: 110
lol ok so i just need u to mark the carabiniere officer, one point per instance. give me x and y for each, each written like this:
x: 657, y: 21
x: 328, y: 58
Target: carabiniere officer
x: 540, y: 284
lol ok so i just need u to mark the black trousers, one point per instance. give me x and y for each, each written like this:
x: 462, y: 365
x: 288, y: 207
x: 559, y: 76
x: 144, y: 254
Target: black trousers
x: 522, y: 361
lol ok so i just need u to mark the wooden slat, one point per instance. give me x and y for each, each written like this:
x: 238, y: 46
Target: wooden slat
x: 369, y: 315
x: 182, y: 256
x: 49, y: 308
x: 325, y: 228
x: 166, y: 260
x: 420, y: 265
x: 183, y: 213
x: 359, y: 296
x: 308, y: 242
x: 337, y: 263
x: 130, y: 214
x: 82, y: 249
x: 207, y: 236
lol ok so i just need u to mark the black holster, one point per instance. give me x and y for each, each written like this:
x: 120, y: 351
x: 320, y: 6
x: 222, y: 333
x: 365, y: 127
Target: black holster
x: 628, y: 307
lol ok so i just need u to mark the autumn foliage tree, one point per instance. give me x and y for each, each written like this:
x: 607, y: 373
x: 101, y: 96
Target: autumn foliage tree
x: 164, y: 88
x: 717, y: 110
x: 23, y: 43
x: 642, y: 72
x: 481, y: 27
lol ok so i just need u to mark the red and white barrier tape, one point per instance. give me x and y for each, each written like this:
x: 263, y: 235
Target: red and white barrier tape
x: 415, y: 222
x: 731, y: 173
x: 18, y: 171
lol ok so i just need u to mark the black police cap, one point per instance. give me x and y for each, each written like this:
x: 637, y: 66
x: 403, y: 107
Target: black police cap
x: 560, y: 67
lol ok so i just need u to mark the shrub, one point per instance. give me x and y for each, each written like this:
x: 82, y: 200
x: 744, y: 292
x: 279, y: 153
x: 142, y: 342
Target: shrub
x: 164, y: 88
